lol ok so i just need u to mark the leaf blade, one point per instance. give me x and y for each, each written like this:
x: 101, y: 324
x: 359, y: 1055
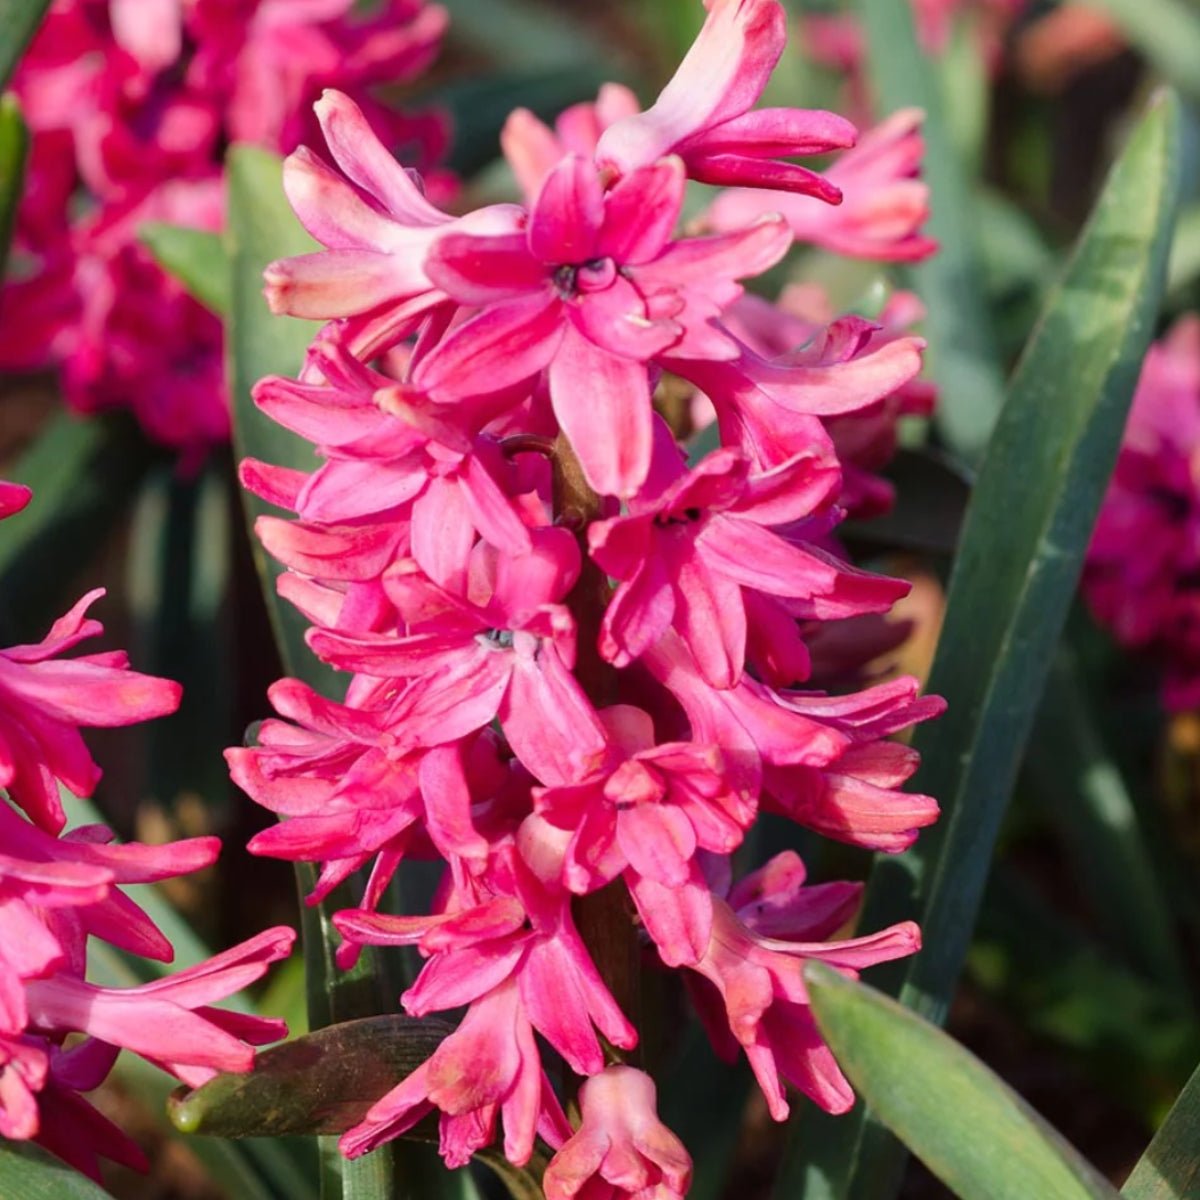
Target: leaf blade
x: 27, y: 1172
x: 20, y: 20
x: 1020, y: 553
x: 194, y: 257
x: 939, y: 1097
x: 1170, y: 1168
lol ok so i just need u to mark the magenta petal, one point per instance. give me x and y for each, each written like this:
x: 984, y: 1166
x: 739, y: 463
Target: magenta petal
x: 616, y: 319
x: 603, y: 405
x: 484, y: 270
x: 721, y: 77
x: 365, y: 159
x: 641, y: 212
x: 568, y: 213
x: 757, y: 558
x: 443, y: 534
x: 495, y: 350
x: 659, y: 842
x: 678, y: 919
x: 739, y: 255
x: 340, y: 283
x: 639, y: 613
x: 331, y: 210
x: 549, y: 722
x: 711, y: 619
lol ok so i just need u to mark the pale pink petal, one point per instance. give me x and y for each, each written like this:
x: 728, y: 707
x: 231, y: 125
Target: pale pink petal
x: 611, y: 430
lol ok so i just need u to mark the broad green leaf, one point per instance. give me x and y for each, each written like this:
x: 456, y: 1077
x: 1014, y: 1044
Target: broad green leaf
x: 1021, y: 549
x: 1081, y: 786
x: 1026, y: 532
x: 195, y: 257
x: 961, y: 354
x: 19, y: 21
x: 262, y: 228
x: 14, y: 150
x: 1185, y: 254
x: 964, y: 1122
x: 1170, y: 1168
x: 1167, y: 32
x: 322, y: 1083
x: 85, y: 474
x: 29, y: 1173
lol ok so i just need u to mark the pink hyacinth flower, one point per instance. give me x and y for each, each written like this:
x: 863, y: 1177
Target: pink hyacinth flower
x: 533, y: 149
x: 505, y: 650
x: 884, y: 205
x: 488, y: 1067
x: 592, y: 291
x: 645, y: 815
x: 1139, y: 578
x: 694, y: 540
x: 376, y: 225
x: 754, y: 988
x: 704, y: 114
x: 44, y: 700
x: 622, y: 1151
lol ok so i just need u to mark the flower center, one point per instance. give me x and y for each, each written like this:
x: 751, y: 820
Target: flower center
x: 593, y: 276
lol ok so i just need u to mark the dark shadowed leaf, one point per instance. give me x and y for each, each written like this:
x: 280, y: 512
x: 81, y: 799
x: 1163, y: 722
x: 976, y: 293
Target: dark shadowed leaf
x: 1167, y: 32
x: 479, y: 106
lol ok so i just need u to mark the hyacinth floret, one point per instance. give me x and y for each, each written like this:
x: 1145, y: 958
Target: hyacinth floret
x: 59, y: 889
x: 579, y: 665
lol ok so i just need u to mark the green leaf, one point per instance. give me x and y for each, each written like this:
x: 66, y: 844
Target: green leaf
x: 195, y: 257
x: 1022, y: 546
x: 19, y: 21
x: 1167, y: 32
x: 29, y: 1173
x: 1026, y: 532
x: 1083, y: 788
x: 1170, y: 1168
x: 85, y: 474
x: 322, y: 1083
x: 964, y: 1123
x: 961, y: 357
x: 1185, y: 254
x: 14, y: 151
x: 262, y: 228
